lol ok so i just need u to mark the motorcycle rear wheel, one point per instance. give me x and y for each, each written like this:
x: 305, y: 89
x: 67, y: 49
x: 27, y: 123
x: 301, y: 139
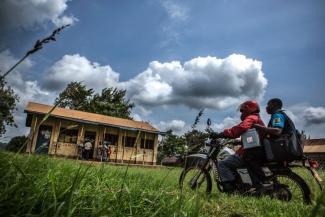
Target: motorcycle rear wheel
x: 293, y: 185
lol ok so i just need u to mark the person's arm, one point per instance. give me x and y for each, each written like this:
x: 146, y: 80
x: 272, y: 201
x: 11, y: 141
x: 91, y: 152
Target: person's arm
x: 274, y: 131
x: 241, y: 128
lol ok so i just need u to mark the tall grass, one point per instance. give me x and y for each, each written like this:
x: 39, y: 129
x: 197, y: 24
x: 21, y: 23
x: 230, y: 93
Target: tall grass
x: 41, y: 186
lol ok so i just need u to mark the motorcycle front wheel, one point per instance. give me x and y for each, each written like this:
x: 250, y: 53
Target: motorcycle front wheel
x: 195, y: 180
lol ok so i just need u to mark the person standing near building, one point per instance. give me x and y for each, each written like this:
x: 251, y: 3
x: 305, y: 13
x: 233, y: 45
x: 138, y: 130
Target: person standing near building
x: 88, y: 148
x: 109, y: 152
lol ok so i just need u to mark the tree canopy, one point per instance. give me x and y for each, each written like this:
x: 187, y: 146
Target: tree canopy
x: 8, y: 100
x: 75, y: 96
x: 111, y: 101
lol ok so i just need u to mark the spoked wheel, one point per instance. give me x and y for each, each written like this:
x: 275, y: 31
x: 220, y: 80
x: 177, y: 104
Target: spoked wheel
x: 194, y: 179
x: 288, y: 186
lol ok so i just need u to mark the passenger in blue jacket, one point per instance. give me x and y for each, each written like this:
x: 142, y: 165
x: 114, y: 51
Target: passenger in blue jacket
x: 277, y: 123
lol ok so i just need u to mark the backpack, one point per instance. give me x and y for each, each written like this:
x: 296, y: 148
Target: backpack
x: 296, y: 146
x: 288, y: 146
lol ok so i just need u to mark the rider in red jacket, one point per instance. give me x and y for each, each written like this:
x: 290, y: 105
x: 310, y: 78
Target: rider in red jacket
x: 249, y: 116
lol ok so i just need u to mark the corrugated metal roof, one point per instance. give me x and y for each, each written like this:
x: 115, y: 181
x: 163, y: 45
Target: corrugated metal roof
x: 92, y: 118
x: 314, y: 149
x: 315, y: 142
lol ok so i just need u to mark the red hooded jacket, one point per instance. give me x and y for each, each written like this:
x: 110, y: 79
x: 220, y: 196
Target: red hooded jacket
x: 247, y: 123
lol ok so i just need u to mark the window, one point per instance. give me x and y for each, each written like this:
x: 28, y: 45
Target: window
x: 68, y: 135
x: 129, y: 141
x: 148, y: 145
x: 111, y: 139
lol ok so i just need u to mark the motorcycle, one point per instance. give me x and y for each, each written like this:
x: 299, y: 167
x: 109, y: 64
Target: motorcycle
x: 283, y: 183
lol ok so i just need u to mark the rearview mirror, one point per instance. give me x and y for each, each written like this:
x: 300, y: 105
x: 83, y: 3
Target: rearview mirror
x: 209, y: 122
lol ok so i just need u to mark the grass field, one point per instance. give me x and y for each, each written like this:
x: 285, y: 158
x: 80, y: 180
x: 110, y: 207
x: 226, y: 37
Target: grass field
x: 42, y: 186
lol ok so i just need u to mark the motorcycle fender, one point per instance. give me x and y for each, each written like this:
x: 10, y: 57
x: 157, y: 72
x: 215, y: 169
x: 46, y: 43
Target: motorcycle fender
x: 195, y: 159
x: 203, y: 156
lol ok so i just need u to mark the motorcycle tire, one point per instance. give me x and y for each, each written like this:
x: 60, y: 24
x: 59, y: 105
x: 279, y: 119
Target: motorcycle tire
x: 195, y: 179
x: 298, y: 188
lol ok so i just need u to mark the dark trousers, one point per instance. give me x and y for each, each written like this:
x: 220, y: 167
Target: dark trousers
x: 87, y: 154
x: 254, y: 159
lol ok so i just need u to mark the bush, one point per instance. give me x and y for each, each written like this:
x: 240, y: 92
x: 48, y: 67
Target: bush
x: 16, y: 143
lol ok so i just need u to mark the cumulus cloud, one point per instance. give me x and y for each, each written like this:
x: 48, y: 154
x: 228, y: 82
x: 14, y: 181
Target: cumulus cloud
x: 314, y: 115
x: 226, y: 123
x: 29, y: 13
x: 79, y: 68
x: 177, y: 126
x: 203, y: 82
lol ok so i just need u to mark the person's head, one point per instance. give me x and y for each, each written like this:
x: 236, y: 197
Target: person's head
x: 247, y: 108
x: 273, y: 105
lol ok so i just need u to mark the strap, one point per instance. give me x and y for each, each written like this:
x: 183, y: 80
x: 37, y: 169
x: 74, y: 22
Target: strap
x: 290, y: 122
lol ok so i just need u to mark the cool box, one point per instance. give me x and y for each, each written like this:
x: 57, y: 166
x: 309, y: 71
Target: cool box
x: 250, y: 139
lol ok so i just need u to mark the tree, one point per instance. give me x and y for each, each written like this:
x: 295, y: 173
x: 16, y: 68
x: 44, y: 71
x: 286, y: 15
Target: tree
x: 8, y: 100
x: 75, y: 96
x: 195, y: 139
x: 171, y: 145
x: 16, y: 143
x: 110, y: 101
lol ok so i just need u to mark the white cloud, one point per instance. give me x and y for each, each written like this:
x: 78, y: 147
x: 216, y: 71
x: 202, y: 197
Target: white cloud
x: 64, y: 20
x: 79, y: 68
x: 175, y: 10
x: 226, y: 123
x: 177, y: 16
x: 29, y: 13
x: 177, y: 126
x: 314, y: 115
x: 203, y: 82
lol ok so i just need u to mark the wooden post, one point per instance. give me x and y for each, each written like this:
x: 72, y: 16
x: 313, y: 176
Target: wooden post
x: 101, y: 151
x: 33, y: 135
x: 57, y: 139
x: 155, y: 149
x: 123, y: 145
x: 144, y: 144
x: 79, y: 140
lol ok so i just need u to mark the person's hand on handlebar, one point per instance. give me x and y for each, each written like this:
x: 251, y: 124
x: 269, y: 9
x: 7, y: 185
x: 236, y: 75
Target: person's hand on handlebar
x: 215, y: 135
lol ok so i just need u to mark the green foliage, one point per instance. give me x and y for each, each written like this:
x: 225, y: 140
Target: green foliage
x: 110, y: 101
x: 171, y: 145
x: 75, y: 96
x: 8, y: 100
x: 195, y: 139
x: 16, y: 143
x: 42, y: 186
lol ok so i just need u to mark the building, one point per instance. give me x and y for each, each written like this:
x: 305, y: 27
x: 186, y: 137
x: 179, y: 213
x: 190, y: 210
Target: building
x: 315, y: 149
x: 65, y: 129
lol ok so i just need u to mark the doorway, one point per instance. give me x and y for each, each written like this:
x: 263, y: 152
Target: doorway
x: 90, y: 136
x: 43, y: 139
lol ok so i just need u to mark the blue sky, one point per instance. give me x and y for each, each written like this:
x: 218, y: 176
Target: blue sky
x: 131, y: 43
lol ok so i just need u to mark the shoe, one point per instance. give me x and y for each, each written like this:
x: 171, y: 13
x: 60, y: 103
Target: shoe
x: 228, y: 187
